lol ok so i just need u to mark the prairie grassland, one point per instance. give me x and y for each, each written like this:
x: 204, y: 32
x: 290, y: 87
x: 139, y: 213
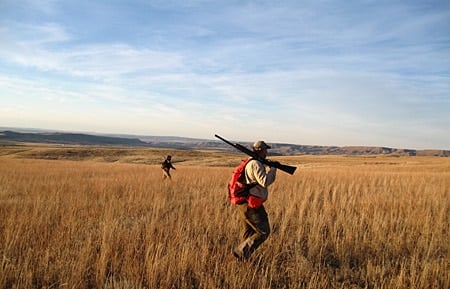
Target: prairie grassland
x: 339, y: 222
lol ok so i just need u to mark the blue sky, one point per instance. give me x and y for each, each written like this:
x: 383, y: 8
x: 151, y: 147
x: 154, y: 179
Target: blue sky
x: 373, y: 73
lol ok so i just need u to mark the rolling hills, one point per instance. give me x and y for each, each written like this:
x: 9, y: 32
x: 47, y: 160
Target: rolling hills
x: 65, y: 138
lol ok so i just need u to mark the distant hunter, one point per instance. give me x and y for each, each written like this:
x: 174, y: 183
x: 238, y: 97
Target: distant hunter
x: 166, y: 165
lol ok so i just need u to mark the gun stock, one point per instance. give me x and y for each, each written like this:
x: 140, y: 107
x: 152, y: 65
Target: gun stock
x: 285, y: 168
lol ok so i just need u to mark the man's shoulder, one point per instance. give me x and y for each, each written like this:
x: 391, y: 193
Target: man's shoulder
x: 255, y: 163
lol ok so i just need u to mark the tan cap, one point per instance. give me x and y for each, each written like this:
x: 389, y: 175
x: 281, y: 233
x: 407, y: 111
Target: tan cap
x: 260, y: 145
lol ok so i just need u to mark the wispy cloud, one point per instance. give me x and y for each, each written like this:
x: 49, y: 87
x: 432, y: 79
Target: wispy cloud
x: 48, y: 50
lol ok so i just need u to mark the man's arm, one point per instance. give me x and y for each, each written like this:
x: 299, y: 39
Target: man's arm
x: 263, y: 178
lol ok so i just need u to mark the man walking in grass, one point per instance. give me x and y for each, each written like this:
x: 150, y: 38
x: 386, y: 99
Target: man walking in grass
x: 255, y: 222
x: 166, y: 165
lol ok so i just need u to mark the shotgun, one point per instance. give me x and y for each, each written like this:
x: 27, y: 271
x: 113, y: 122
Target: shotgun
x: 285, y: 168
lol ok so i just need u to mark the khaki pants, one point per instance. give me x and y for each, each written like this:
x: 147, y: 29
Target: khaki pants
x: 255, y: 229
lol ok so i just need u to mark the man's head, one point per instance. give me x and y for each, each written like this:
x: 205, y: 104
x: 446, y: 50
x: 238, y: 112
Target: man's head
x: 169, y: 157
x: 260, y: 147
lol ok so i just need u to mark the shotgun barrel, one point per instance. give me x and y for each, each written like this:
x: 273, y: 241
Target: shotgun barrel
x: 285, y: 168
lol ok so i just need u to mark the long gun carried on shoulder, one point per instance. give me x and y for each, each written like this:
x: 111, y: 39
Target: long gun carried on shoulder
x: 285, y: 168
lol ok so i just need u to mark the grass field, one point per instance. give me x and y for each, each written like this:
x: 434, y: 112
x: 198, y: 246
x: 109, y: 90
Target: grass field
x: 103, y: 218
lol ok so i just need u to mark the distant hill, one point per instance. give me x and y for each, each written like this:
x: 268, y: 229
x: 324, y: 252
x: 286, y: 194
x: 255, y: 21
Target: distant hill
x: 201, y: 144
x: 68, y: 138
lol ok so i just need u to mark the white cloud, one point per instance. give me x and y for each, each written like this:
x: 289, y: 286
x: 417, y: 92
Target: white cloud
x: 99, y: 62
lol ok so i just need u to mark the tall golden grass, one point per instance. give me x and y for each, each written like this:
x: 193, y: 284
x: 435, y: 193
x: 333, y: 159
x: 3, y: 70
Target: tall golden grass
x: 339, y: 222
